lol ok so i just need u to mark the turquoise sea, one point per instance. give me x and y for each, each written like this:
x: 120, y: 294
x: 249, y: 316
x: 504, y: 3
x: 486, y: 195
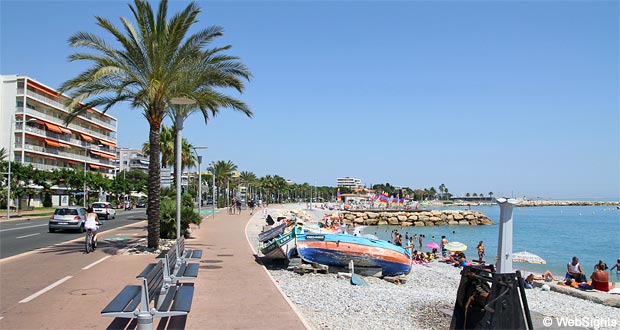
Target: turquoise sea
x: 556, y: 233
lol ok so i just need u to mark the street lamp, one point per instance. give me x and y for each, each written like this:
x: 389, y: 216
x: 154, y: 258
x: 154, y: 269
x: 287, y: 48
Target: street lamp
x: 10, y: 153
x: 179, y: 128
x: 199, y: 178
x: 85, y: 160
x: 504, y: 246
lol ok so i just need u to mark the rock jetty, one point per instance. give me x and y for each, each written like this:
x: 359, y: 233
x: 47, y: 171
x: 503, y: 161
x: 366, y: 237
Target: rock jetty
x: 416, y: 218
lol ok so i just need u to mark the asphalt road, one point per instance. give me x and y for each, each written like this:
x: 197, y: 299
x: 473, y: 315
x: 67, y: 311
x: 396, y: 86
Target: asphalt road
x: 26, y: 235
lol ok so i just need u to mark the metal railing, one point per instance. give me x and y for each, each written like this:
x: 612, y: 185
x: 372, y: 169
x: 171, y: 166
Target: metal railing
x: 57, y: 121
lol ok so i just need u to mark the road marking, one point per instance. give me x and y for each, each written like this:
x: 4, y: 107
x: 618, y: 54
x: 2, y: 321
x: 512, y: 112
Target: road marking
x: 96, y: 262
x: 23, y: 227
x: 23, y: 224
x: 57, y: 283
x: 28, y: 235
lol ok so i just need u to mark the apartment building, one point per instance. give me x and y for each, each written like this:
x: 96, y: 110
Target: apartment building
x: 32, y: 120
x: 132, y: 159
x: 349, y: 182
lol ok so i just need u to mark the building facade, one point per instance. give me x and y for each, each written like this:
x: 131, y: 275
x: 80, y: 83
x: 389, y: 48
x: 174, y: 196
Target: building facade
x: 349, y: 183
x: 33, y: 131
x: 132, y: 159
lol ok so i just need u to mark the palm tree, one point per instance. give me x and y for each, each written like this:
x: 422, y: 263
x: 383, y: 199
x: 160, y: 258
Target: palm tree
x: 3, y: 154
x: 223, y: 172
x: 166, y: 143
x: 491, y: 194
x: 157, y: 60
x: 442, y: 189
x: 248, y: 179
x: 188, y: 157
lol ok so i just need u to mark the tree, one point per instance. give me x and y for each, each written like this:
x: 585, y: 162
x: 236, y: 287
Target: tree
x: 3, y: 154
x: 467, y: 195
x: 155, y: 62
x: 223, y: 172
x: 442, y: 189
x: 166, y: 143
x: 490, y: 194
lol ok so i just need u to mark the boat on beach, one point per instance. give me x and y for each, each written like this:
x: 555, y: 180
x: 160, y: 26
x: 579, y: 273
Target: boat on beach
x: 340, y: 249
x: 281, y: 247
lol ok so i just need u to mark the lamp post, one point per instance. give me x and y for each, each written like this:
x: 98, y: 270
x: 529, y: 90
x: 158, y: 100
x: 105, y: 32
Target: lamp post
x: 504, y: 246
x: 10, y: 153
x: 179, y: 128
x: 199, y: 178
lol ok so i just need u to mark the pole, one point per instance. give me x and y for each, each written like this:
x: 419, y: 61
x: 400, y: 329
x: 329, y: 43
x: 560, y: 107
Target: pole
x: 214, y: 198
x: 179, y: 127
x: 84, y: 196
x: 504, y: 246
x: 199, y: 186
x: 227, y: 192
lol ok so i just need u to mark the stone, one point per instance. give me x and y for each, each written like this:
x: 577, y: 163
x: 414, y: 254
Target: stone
x: 393, y: 221
x: 458, y: 216
x: 373, y: 222
x: 423, y: 217
x: 349, y: 216
x: 413, y: 217
x: 359, y: 220
x: 382, y: 222
x: 418, y: 224
x: 436, y: 213
x: 464, y: 222
x: 453, y: 223
x: 450, y: 217
x: 444, y: 217
x: 470, y: 217
x: 401, y: 218
x: 435, y: 219
x: 372, y: 215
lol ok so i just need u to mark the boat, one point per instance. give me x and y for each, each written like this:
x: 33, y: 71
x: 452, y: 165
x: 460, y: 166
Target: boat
x: 272, y: 232
x: 281, y: 247
x: 340, y: 249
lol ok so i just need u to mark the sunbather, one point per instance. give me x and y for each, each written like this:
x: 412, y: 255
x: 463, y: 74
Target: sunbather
x: 547, y: 277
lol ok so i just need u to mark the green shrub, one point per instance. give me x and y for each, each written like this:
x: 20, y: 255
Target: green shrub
x: 168, y: 228
x: 47, y: 200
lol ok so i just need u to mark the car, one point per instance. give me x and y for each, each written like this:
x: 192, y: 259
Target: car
x: 104, y: 210
x: 68, y: 217
x: 141, y: 204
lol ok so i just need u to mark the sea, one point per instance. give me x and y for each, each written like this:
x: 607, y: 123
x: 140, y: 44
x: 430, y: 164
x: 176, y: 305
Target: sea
x: 555, y: 233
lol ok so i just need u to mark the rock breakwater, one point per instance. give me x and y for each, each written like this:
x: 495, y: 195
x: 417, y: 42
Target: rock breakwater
x: 416, y: 218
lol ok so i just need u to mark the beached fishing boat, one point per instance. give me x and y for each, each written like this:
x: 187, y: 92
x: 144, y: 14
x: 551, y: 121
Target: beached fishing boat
x: 340, y: 249
x: 281, y: 247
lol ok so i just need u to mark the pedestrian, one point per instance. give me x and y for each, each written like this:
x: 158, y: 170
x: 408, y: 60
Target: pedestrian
x: 238, y: 205
x: 480, y: 251
x: 444, y: 241
x: 421, y: 240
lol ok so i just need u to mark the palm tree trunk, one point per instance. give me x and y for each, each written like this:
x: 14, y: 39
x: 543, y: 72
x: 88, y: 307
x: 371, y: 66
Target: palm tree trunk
x: 154, y: 188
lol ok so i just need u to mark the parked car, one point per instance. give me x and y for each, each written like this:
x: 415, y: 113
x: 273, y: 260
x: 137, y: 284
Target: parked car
x: 141, y: 204
x: 70, y: 217
x: 104, y: 210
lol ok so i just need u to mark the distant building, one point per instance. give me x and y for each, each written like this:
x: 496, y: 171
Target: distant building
x: 132, y: 159
x: 348, y: 182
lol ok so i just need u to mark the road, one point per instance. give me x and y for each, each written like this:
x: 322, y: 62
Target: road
x: 26, y: 235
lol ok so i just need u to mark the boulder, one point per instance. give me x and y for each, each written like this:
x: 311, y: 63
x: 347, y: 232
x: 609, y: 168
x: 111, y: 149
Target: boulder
x: 406, y: 224
x: 393, y: 221
x: 359, y: 220
x: 444, y: 217
x: 436, y: 213
x: 373, y: 222
x: 382, y: 223
x: 453, y: 223
x: 423, y: 217
x: 464, y: 222
x: 470, y: 217
x: 458, y: 216
x: 401, y: 218
x: 413, y: 217
x: 418, y: 224
x: 349, y: 216
x: 435, y: 219
x: 450, y: 217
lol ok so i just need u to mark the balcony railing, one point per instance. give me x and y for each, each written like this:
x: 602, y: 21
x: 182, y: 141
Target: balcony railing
x: 58, y: 152
x: 58, y: 121
x: 61, y: 105
x: 62, y: 137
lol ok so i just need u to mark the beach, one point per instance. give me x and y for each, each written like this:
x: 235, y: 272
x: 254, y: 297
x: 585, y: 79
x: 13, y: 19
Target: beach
x: 423, y: 302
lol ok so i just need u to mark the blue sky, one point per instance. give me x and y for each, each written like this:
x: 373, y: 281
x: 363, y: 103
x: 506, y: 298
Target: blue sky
x: 517, y: 98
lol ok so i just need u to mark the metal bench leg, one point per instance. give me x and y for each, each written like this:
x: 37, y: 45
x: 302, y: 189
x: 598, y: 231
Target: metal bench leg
x: 145, y: 321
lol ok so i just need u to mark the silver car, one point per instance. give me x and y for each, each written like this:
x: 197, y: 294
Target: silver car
x: 104, y: 210
x: 70, y: 217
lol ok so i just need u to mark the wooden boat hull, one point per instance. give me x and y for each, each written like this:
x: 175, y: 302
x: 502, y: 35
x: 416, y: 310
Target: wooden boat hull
x: 281, y: 247
x: 339, y: 249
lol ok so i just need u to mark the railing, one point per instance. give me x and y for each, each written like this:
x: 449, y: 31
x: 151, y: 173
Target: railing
x: 60, y: 153
x: 62, y: 106
x: 38, y: 114
x: 64, y: 138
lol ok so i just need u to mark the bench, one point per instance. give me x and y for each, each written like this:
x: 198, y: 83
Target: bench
x: 174, y: 269
x: 184, y: 254
x: 134, y: 301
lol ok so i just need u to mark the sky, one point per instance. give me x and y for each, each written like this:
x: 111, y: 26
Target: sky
x: 515, y: 98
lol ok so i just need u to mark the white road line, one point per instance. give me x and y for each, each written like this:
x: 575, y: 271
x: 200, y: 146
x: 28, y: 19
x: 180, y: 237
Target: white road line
x: 96, y: 262
x: 45, y: 224
x: 57, y: 283
x: 28, y: 235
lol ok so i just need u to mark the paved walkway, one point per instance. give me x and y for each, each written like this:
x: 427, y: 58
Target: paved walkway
x: 62, y: 288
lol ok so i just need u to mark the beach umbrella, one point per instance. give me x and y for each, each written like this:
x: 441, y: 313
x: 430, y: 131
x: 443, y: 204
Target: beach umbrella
x: 432, y: 245
x: 528, y: 258
x: 455, y: 246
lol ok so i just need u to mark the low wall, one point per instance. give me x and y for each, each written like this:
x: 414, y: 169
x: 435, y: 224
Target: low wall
x: 416, y: 218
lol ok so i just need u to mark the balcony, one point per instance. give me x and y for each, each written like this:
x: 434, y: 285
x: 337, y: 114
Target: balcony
x: 43, y: 116
x: 61, y: 105
x: 62, y: 137
x: 61, y: 154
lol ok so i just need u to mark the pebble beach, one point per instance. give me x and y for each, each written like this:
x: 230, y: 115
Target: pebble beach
x: 423, y: 302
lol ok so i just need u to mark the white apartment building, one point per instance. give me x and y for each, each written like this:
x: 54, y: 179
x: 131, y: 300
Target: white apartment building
x: 132, y: 159
x: 32, y: 120
x: 349, y: 183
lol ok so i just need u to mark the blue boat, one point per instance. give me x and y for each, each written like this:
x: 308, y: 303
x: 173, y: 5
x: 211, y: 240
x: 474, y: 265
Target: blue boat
x: 339, y: 249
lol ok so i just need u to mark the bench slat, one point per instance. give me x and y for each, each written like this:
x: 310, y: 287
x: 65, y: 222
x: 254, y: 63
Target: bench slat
x: 123, y: 301
x: 146, y: 270
x: 183, y: 299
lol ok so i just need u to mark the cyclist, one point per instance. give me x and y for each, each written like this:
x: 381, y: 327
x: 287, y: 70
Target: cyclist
x: 92, y: 223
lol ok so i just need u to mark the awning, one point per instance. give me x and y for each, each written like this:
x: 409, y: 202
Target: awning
x: 65, y: 130
x: 53, y: 128
x: 94, y: 166
x: 52, y: 143
x: 104, y: 155
x: 87, y: 138
x: 107, y: 143
x: 73, y: 162
x: 65, y: 145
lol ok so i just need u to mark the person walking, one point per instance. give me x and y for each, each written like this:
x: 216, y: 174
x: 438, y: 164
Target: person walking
x: 444, y: 241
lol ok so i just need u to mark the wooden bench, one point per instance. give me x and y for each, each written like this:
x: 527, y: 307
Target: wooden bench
x: 184, y: 254
x: 134, y: 301
x: 174, y: 269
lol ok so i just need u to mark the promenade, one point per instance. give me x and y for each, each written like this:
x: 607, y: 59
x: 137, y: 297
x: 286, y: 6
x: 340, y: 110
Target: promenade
x: 60, y: 287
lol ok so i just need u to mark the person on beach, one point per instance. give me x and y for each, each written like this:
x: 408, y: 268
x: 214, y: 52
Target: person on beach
x: 601, y: 265
x: 421, y: 240
x: 444, y: 241
x: 600, y: 279
x: 480, y: 251
x: 399, y: 240
x: 616, y: 267
x: 546, y: 276
x: 574, y: 271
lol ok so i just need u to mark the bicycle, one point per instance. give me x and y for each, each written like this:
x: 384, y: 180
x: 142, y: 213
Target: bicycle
x: 90, y: 242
